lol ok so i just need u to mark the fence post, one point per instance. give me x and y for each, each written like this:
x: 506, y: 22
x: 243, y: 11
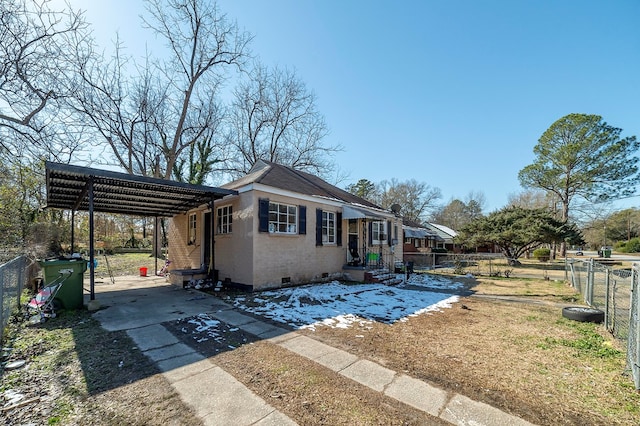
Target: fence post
x: 588, y: 295
x: 637, y: 327
x: 607, y: 281
x: 2, y: 318
x: 633, y: 341
x: 22, y: 273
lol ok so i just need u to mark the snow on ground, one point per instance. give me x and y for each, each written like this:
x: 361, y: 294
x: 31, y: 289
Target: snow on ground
x: 342, y: 305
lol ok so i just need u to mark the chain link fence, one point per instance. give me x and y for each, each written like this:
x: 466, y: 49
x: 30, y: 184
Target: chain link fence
x: 479, y: 264
x: 13, y: 276
x: 484, y: 264
x: 614, y: 291
x: 633, y: 351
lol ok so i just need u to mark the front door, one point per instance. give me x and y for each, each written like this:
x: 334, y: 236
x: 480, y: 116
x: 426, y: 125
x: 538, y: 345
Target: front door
x: 353, y: 254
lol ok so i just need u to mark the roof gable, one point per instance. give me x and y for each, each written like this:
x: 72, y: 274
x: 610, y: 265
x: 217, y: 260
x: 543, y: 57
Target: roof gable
x: 283, y: 177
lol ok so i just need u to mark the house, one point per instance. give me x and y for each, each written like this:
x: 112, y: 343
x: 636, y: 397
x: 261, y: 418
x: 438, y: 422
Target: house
x: 417, y: 238
x: 447, y: 234
x: 284, y: 227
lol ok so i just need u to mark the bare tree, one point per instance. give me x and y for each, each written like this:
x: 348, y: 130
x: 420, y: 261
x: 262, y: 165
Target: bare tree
x: 529, y: 199
x: 149, y: 121
x: 457, y: 213
x: 416, y: 199
x: 35, y: 67
x: 275, y: 118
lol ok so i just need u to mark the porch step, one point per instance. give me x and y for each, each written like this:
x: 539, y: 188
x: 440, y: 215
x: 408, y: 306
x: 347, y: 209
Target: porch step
x: 382, y: 276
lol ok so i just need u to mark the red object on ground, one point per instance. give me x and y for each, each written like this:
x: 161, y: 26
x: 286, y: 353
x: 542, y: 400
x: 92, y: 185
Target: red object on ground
x: 143, y: 271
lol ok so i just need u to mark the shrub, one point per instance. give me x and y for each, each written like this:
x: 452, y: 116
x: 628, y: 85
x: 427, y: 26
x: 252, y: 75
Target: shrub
x: 631, y: 246
x: 542, y: 254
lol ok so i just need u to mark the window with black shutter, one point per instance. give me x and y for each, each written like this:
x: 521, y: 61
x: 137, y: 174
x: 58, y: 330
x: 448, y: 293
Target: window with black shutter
x: 302, y: 220
x: 318, y: 227
x: 263, y: 215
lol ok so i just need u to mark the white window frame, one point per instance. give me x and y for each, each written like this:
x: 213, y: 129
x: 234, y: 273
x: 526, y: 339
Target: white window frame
x: 224, y: 219
x: 378, y: 232
x: 328, y: 227
x: 283, y: 218
x: 192, y: 228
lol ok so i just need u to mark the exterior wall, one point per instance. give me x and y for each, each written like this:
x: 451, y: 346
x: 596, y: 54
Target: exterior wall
x: 234, y: 251
x: 263, y: 260
x: 181, y: 254
x: 295, y: 258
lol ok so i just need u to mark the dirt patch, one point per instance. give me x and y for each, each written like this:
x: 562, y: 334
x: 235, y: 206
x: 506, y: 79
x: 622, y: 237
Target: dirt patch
x: 208, y: 335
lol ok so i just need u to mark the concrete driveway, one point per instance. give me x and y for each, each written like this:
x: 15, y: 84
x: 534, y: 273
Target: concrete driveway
x: 135, y: 302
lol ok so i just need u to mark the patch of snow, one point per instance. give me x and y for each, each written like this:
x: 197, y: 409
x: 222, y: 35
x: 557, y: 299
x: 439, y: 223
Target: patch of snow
x: 341, y: 305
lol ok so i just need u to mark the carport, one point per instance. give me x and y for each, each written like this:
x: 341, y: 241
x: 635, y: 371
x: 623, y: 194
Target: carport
x: 78, y: 188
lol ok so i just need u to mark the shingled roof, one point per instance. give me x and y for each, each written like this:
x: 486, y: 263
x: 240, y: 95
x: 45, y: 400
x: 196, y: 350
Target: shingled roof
x: 283, y: 177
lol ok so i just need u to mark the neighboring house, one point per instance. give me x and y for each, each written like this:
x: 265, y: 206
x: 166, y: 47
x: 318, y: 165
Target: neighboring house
x: 447, y: 234
x: 417, y: 238
x: 284, y: 227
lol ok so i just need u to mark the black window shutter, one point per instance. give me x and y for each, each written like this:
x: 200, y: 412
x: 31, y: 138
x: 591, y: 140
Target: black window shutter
x: 389, y: 236
x: 339, y: 228
x: 302, y: 220
x: 318, y: 227
x: 263, y: 215
x: 370, y: 233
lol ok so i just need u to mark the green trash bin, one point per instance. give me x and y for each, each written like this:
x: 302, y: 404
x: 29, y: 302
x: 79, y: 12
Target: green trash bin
x: 71, y: 293
x: 606, y: 253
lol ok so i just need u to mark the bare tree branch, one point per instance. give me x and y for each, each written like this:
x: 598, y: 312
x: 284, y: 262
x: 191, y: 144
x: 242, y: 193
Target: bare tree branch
x: 275, y: 118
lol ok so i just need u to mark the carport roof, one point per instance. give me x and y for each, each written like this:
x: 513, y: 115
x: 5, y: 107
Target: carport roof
x: 114, y: 192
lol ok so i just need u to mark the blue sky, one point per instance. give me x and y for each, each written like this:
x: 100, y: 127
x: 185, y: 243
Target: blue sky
x: 454, y: 93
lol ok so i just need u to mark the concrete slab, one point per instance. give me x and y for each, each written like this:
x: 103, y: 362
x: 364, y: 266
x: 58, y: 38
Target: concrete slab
x: 233, y: 317
x: 464, y: 411
x: 151, y: 337
x: 307, y: 347
x: 282, y: 337
x: 262, y: 329
x: 130, y: 307
x: 219, y: 399
x: 369, y: 374
x: 418, y: 394
x: 171, y: 365
x: 166, y: 352
x: 276, y: 419
x: 187, y: 370
x: 337, y: 360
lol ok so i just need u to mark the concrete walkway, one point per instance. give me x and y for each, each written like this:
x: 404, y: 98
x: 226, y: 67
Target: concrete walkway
x: 138, y: 305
